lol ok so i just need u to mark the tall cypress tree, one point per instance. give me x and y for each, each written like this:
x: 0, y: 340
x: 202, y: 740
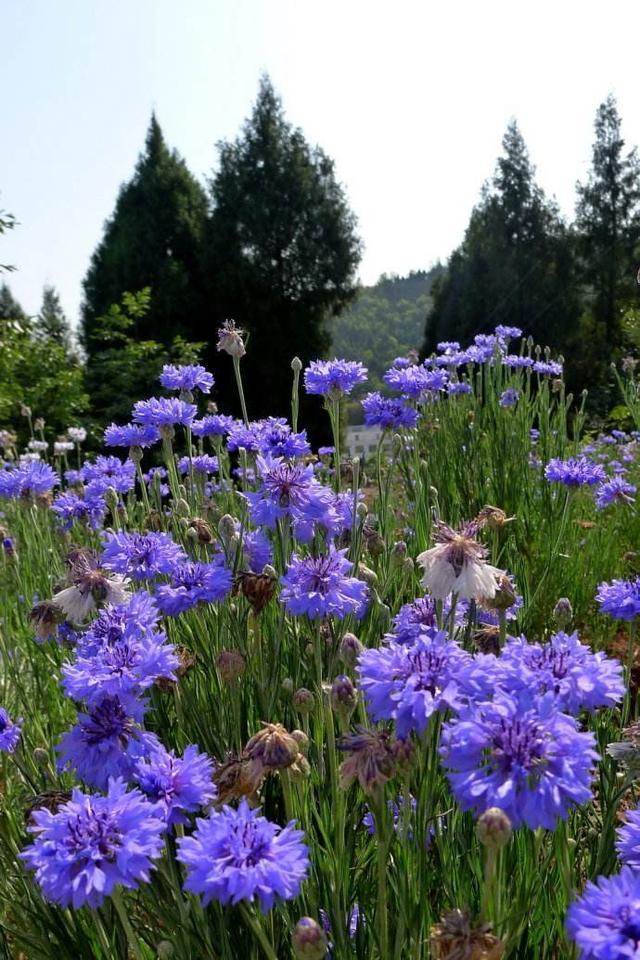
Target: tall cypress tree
x: 52, y: 323
x: 608, y: 224
x: 10, y: 309
x: 152, y: 240
x: 281, y: 250
x: 515, y: 264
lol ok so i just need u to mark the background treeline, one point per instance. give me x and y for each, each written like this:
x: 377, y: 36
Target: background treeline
x: 270, y: 240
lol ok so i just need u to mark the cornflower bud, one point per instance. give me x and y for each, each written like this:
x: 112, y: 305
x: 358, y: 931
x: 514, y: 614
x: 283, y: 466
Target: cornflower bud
x: 350, y: 649
x: 304, y: 700
x: 230, y: 665
x: 309, y: 940
x: 563, y: 612
x: 344, y: 697
x: 494, y: 828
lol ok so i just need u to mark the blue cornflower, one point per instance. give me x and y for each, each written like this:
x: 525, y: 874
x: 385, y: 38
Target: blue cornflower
x: 509, y: 397
x: 128, y: 622
x: 519, y: 752
x: 397, y: 809
x: 163, y: 412
x: 605, y: 921
x: 508, y: 333
x: 458, y: 387
x: 321, y: 586
x: 131, y: 435
x: 247, y: 436
x: 290, y: 490
x: 201, y: 464
x: 181, y: 784
x: 107, y: 472
x: 414, y: 619
x: 257, y: 550
x: 416, y: 382
x: 334, y: 378
x: 574, y: 472
x: 514, y: 361
x: 278, y: 439
x: 408, y: 683
x: 105, y: 742
x: 390, y: 414
x: 448, y: 346
x: 9, y: 732
x: 93, y: 844
x: 214, y: 425
x: 617, y: 490
x: 32, y: 478
x: 123, y: 669
x: 188, y: 377
x: 69, y: 508
x: 549, y: 368
x: 193, y: 583
x: 580, y: 678
x: 628, y: 842
x: 141, y: 556
x: 620, y: 598
x: 237, y: 855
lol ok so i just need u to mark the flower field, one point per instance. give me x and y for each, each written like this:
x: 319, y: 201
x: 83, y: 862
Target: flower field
x: 260, y: 701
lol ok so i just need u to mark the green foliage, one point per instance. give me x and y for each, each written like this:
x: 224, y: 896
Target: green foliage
x: 51, y: 321
x: 515, y: 264
x: 153, y: 239
x: 37, y: 371
x: 7, y: 222
x: 282, y: 250
x: 125, y: 368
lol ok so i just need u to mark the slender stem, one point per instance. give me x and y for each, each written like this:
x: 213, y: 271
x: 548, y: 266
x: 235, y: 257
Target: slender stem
x: 132, y: 939
x: 236, y: 370
x: 256, y: 928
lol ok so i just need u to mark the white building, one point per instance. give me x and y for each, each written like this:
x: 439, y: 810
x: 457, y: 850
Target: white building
x: 362, y: 441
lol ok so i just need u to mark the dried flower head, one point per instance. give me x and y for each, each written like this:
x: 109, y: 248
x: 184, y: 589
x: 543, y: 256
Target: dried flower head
x: 258, y: 588
x: 273, y: 748
x: 371, y: 761
x: 45, y: 617
x: 454, y: 938
x: 230, y: 339
x: 457, y: 565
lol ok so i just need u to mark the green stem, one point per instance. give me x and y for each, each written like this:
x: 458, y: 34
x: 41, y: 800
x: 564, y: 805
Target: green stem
x: 256, y: 928
x: 132, y: 939
x: 236, y: 370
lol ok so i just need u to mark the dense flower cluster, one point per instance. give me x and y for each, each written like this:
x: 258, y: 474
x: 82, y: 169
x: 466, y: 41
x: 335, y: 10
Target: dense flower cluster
x: 331, y: 378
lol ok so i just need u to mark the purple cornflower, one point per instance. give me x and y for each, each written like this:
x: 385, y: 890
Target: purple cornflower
x: 414, y: 619
x: 105, y: 742
x: 32, y: 478
x: 620, y: 598
x: 574, y: 472
x: 257, y: 550
x: 579, y: 678
x: 93, y: 844
x: 141, y: 556
x: 214, y: 425
x: 108, y: 472
x: 131, y: 435
x: 247, y: 436
x: 390, y: 414
x: 69, y: 508
x: 193, y: 583
x: 124, y: 669
x: 290, y: 490
x: 321, y: 586
x: 201, y: 464
x: 9, y: 732
x: 448, y: 346
x: 514, y: 361
x: 519, y: 752
x: 181, y: 784
x: 616, y: 490
x: 129, y: 622
x: 457, y: 387
x: 509, y: 397
x: 189, y: 377
x: 163, y: 412
x: 508, y: 333
x: 333, y: 378
x: 628, y: 842
x: 278, y: 439
x: 237, y: 855
x: 605, y: 922
x: 549, y: 368
x: 410, y: 682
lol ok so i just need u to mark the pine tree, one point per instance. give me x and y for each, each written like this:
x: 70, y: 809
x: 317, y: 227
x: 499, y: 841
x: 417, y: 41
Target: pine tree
x: 515, y: 264
x: 608, y: 224
x: 51, y: 323
x: 10, y: 309
x: 152, y: 240
x: 281, y: 251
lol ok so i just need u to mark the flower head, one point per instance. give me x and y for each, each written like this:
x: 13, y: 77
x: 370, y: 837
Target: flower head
x: 131, y: 435
x: 321, y: 586
x: 617, y: 490
x: 141, y: 556
x: 90, y: 586
x: 230, y: 339
x: 30, y: 479
x: 163, y: 412
x: 390, y: 414
x: 182, y: 785
x: 92, y: 844
x: 605, y: 922
x: 457, y: 565
x: 620, y: 598
x: 574, y: 472
x: 238, y: 855
x: 188, y: 377
x: 9, y: 732
x: 628, y: 842
x: 333, y: 378
x: 192, y: 583
x: 519, y: 753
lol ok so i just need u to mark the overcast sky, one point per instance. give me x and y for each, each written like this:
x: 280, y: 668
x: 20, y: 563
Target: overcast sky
x: 410, y: 98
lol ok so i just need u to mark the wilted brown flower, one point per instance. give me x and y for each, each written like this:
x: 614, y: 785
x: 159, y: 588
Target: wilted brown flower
x: 455, y: 939
x: 258, y: 588
x: 45, y: 617
x: 236, y: 778
x: 51, y: 800
x: 231, y: 665
x: 492, y: 517
x: 230, y: 339
x: 273, y: 747
x: 504, y: 597
x: 202, y: 529
x: 487, y: 639
x: 371, y: 761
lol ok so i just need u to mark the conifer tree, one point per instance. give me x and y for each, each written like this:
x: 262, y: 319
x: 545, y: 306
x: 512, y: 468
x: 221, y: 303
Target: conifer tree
x: 608, y: 225
x: 281, y: 250
x: 152, y: 240
x: 52, y: 323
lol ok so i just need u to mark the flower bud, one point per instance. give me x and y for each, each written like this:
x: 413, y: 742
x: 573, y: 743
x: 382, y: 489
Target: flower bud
x: 231, y: 665
x: 165, y: 950
x: 398, y: 551
x: 367, y: 574
x: 40, y: 757
x: 111, y: 498
x: 343, y: 696
x: 301, y: 739
x: 309, y: 940
x: 350, y: 649
x: 494, y: 828
x: 304, y: 700
x: 181, y: 508
x: 226, y: 528
x: 563, y: 612
x: 296, y: 364
x: 287, y: 685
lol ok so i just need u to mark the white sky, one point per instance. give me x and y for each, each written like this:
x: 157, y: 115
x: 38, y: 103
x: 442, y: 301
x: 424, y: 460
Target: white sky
x: 410, y: 98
